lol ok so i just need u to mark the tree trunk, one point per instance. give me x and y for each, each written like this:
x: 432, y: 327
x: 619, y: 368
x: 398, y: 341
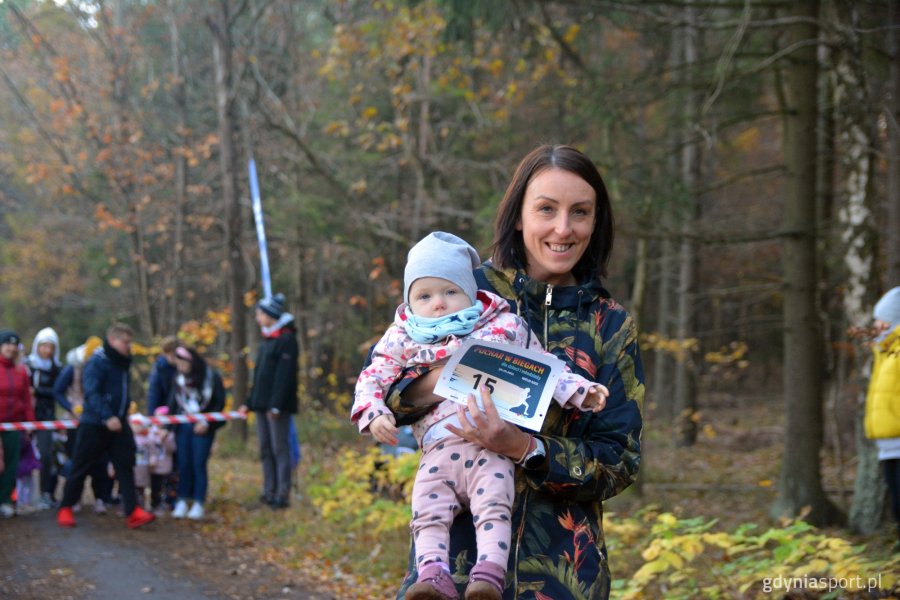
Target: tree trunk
x: 892, y: 240
x: 800, y: 490
x: 220, y: 25
x: 181, y: 170
x: 685, y: 376
x: 859, y: 239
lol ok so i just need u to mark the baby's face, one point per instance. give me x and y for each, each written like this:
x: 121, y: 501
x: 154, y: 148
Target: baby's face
x: 435, y: 297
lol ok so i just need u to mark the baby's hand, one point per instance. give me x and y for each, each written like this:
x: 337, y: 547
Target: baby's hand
x: 384, y: 429
x: 595, y: 400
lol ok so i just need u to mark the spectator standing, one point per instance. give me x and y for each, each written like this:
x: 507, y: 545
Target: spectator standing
x: 104, y: 427
x: 44, y: 369
x: 15, y: 406
x: 69, y: 394
x: 274, y: 397
x: 162, y: 375
x: 198, y: 389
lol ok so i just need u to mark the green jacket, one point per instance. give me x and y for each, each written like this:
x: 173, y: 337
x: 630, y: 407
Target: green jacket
x: 558, y: 550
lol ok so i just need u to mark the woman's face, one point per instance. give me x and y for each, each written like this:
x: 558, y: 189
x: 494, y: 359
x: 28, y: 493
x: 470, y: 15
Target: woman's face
x: 9, y: 351
x: 46, y: 350
x: 557, y: 221
x: 183, y: 366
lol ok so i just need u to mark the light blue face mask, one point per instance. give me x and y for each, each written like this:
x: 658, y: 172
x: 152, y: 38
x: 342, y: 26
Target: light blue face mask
x: 429, y: 330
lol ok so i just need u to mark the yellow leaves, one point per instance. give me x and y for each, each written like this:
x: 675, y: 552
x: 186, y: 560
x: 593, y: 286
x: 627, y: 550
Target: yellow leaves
x: 765, y: 483
x: 115, y: 282
x: 358, y: 187
x: 747, y: 140
x: 369, y: 113
x: 571, y: 33
x: 679, y: 349
x: 337, y: 129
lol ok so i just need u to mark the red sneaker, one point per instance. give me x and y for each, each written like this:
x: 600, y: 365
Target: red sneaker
x: 139, y: 517
x: 64, y: 517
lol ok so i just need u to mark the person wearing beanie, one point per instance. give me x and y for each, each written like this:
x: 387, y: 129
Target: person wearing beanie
x: 44, y: 369
x: 442, y: 308
x: 274, y: 397
x: 15, y: 406
x: 103, y: 429
x: 882, y: 416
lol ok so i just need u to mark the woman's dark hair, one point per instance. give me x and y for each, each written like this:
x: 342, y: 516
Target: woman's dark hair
x: 198, y: 365
x: 508, y: 247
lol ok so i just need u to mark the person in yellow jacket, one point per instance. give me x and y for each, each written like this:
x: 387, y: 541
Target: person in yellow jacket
x: 882, y: 419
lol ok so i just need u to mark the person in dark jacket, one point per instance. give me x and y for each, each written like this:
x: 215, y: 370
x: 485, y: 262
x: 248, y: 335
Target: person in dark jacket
x: 163, y: 374
x: 198, y: 388
x: 15, y: 406
x: 274, y: 397
x: 69, y: 394
x: 104, y: 427
x: 44, y: 368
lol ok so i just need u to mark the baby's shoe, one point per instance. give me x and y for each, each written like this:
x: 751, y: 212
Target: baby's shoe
x: 433, y: 583
x: 486, y: 581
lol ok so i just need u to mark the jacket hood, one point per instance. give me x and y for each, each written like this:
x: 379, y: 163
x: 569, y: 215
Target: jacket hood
x: 44, y: 336
x: 285, y: 321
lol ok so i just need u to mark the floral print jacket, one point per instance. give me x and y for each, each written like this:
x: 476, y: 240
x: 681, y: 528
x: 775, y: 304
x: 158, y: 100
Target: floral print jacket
x: 558, y: 548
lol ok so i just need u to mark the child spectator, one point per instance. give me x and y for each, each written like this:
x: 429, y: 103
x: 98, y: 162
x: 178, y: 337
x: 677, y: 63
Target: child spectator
x: 443, y: 307
x: 28, y: 464
x: 153, y: 461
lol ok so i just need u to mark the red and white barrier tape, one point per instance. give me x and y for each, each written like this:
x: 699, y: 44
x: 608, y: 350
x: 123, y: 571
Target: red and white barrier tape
x: 133, y: 419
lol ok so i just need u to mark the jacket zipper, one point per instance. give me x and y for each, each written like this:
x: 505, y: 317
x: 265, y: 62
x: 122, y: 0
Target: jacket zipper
x: 548, y: 300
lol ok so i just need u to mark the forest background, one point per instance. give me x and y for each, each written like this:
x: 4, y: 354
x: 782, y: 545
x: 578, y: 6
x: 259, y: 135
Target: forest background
x: 750, y: 148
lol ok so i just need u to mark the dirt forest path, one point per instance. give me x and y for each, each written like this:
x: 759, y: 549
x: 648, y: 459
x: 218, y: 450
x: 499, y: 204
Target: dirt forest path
x: 101, y: 559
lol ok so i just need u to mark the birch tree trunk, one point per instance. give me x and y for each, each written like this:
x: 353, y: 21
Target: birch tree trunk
x: 181, y: 168
x: 220, y: 25
x: 859, y: 238
x: 800, y: 485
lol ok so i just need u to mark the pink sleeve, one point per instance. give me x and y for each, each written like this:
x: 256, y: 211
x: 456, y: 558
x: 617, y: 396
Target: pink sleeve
x: 389, y: 357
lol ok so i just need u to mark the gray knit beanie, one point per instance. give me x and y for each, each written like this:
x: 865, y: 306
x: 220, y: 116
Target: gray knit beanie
x: 442, y: 255
x: 888, y: 308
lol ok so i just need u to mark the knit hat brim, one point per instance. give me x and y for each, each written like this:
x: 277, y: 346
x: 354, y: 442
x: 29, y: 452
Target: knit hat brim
x: 443, y: 255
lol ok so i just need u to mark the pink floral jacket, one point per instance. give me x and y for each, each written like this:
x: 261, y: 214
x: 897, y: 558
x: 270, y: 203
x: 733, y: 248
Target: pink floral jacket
x: 396, y: 351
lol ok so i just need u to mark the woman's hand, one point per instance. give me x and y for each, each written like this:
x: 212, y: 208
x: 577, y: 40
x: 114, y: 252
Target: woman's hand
x: 488, y: 430
x: 201, y: 427
x: 384, y: 429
